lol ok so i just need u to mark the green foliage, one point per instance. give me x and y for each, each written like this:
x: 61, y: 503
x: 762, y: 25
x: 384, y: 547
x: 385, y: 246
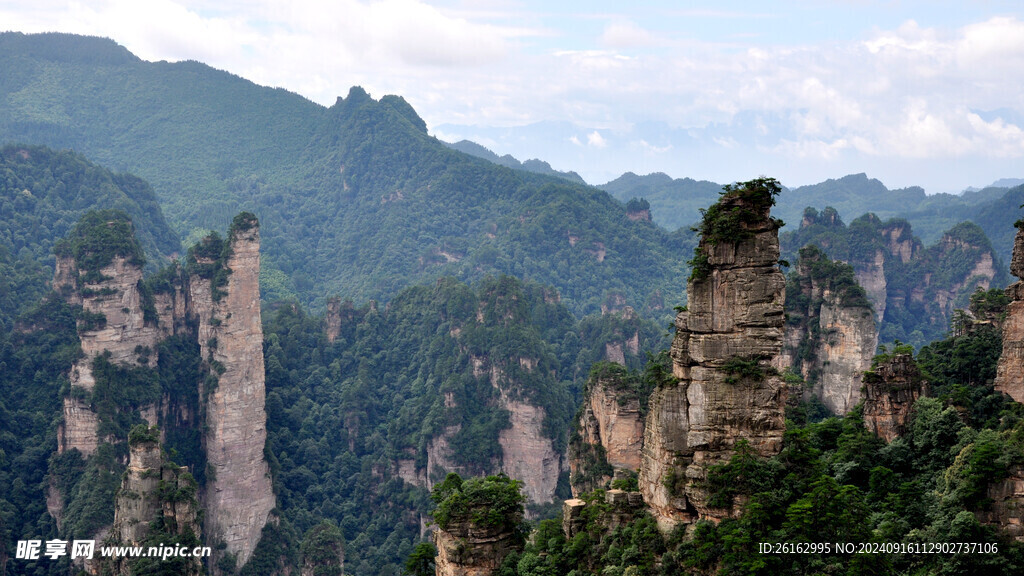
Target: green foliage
x: 398, y: 377
x: 741, y: 207
x: 355, y: 199
x: 421, y: 561
x: 919, y: 280
x: 99, y: 236
x: 323, y: 549
x: 493, y: 502
x: 44, y: 193
x: 752, y: 369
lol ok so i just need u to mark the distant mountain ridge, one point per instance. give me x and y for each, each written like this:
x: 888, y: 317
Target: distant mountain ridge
x: 677, y: 202
x: 508, y: 161
x: 355, y: 199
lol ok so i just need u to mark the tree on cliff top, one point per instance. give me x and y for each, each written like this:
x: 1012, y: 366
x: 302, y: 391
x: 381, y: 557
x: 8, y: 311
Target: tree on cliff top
x: 741, y: 207
x: 492, y: 501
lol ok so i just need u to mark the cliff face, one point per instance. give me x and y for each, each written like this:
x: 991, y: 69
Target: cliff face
x: 153, y: 490
x: 891, y: 389
x: 115, y: 327
x: 609, y: 432
x: 467, y: 549
x: 123, y: 321
x: 721, y: 354
x: 238, y: 496
x: 831, y: 333
x: 1007, y: 510
x: 527, y: 453
x: 1010, y: 371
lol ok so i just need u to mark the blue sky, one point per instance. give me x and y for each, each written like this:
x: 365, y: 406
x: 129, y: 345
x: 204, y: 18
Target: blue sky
x: 912, y: 93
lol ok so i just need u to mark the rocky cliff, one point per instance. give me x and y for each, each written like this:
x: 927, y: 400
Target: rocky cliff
x: 890, y: 390
x: 238, y: 496
x: 156, y: 503
x: 913, y: 289
x: 609, y: 430
x: 124, y: 322
x: 1010, y: 372
x: 113, y: 325
x: 1007, y: 509
x: 831, y: 333
x: 468, y: 549
x: 722, y: 352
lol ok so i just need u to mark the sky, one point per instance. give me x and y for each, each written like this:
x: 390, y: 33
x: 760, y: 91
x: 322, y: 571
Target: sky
x: 912, y: 92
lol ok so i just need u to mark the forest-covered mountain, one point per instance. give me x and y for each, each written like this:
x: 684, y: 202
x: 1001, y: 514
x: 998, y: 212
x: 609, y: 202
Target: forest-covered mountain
x: 912, y: 288
x: 509, y: 161
x: 356, y: 199
x: 677, y: 202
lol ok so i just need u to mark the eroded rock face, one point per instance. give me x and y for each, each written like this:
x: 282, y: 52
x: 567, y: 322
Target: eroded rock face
x: 831, y: 333
x: 143, y: 499
x: 735, y: 316
x: 238, y: 496
x: 333, y: 319
x: 890, y: 390
x: 1007, y: 510
x: 610, y: 433
x: 118, y: 330
x: 871, y: 276
x: 527, y: 454
x: 466, y: 549
x: 1010, y: 371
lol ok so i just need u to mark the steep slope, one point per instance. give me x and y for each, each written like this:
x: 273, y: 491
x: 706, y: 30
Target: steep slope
x: 534, y: 165
x: 356, y: 199
x: 136, y: 366
x: 831, y: 334
x: 913, y: 288
x: 727, y: 392
x: 676, y: 202
x: 1010, y: 372
x: 43, y: 194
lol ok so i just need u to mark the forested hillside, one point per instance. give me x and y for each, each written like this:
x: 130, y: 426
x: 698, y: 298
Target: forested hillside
x: 913, y: 288
x: 677, y: 202
x: 355, y: 199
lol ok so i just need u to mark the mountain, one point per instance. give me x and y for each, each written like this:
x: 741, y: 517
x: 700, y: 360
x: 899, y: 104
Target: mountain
x: 44, y: 192
x: 355, y: 199
x: 508, y: 161
x: 674, y: 203
x: 913, y: 289
x: 677, y: 202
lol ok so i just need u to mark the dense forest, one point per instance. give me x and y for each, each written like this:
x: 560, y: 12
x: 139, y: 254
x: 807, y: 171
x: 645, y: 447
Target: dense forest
x: 916, y: 287
x: 833, y: 482
x: 421, y: 306
x: 355, y: 199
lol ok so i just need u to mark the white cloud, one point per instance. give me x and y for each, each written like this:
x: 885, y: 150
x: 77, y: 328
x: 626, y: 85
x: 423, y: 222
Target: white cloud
x: 627, y: 34
x: 892, y: 94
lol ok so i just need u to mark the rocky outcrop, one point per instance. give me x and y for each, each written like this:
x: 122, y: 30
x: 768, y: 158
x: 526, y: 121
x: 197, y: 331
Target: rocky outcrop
x: 609, y: 432
x: 1007, y: 509
x: 527, y: 453
x: 238, y: 496
x: 123, y: 319
x: 153, y: 490
x: 831, y: 334
x: 1010, y: 371
x: 721, y: 354
x: 114, y: 325
x: 870, y: 275
x: 612, y: 418
x: 470, y: 550
x: 333, y: 319
x: 890, y: 390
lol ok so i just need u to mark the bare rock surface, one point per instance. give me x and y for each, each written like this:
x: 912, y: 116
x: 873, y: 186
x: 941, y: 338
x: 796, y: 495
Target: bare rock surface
x: 735, y: 316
